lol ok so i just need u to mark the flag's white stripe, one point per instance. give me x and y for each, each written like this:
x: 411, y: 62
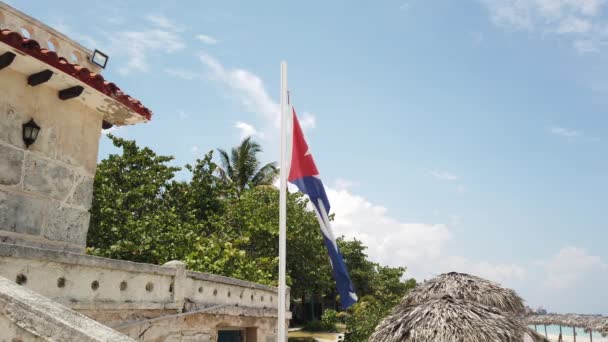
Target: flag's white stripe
x: 325, y: 226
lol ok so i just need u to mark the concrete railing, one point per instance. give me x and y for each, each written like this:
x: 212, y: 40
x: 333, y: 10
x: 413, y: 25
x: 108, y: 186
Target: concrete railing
x: 46, y: 36
x: 85, y: 282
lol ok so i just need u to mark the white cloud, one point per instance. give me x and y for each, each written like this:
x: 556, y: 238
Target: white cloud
x: 478, y: 37
x: 508, y: 274
x: 182, y: 115
x: 389, y: 241
x: 183, y: 73
x: 585, y: 46
x: 580, y: 20
x: 247, y: 130
x: 249, y: 88
x: 564, y: 132
x: 119, y: 131
x: 344, y: 184
x: 307, y: 121
x: 421, y: 247
x: 136, y: 46
x: 207, y: 39
x: 444, y: 176
x: 574, y: 25
x: 196, y: 150
x: 571, y: 266
x: 163, y: 22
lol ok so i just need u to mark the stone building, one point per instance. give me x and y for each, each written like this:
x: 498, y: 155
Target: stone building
x: 50, y: 289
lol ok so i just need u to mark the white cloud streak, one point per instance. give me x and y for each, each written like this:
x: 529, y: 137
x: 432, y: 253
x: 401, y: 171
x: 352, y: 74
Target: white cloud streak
x: 136, y: 46
x: 247, y: 130
x: 571, y: 266
x: 444, y: 176
x: 206, y: 39
x: 564, y: 132
x: 247, y: 86
x: 183, y: 73
x: 163, y: 22
x: 421, y: 247
x: 577, y: 20
x: 250, y: 91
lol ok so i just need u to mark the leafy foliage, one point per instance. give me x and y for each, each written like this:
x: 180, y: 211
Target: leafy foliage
x: 379, y: 287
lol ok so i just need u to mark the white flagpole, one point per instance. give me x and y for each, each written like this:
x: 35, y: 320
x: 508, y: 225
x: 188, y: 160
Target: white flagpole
x: 281, y: 326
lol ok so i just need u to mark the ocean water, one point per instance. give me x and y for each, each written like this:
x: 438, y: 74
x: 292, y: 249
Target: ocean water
x: 581, y: 335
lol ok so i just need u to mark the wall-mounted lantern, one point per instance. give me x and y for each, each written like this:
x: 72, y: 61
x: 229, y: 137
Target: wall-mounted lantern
x: 30, y: 132
x: 100, y: 59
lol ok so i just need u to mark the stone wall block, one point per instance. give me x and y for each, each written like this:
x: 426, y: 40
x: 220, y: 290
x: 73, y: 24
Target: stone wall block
x: 10, y: 126
x: 83, y: 192
x: 11, y: 165
x: 21, y: 214
x: 67, y: 224
x: 47, y: 177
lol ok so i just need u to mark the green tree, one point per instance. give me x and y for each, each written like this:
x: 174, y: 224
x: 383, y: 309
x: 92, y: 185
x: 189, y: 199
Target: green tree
x: 255, y: 217
x: 379, y: 288
x: 360, y: 269
x: 242, y: 166
x: 130, y: 218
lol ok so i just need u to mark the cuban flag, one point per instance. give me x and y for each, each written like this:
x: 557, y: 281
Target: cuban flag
x: 304, y: 174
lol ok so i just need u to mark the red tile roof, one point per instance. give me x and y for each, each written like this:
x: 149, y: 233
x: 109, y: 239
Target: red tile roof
x: 32, y: 48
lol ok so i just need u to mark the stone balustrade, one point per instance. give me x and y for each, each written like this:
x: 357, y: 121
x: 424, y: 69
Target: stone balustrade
x: 47, y: 37
x: 85, y: 282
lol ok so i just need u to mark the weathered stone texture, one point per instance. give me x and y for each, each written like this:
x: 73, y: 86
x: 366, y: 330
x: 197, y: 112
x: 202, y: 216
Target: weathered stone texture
x: 11, y: 332
x: 21, y: 214
x: 40, y: 316
x: 47, y: 177
x: 10, y: 126
x: 11, y: 162
x: 83, y: 193
x: 67, y: 224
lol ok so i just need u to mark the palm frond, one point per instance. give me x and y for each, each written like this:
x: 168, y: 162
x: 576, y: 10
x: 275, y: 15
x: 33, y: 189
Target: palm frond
x: 267, y: 175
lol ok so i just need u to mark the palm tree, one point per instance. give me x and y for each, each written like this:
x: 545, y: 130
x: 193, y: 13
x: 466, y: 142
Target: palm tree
x: 242, y: 166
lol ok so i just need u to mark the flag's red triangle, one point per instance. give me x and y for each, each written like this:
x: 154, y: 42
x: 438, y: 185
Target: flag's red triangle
x: 302, y: 163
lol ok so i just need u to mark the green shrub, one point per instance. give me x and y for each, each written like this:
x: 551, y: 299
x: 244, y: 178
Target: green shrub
x: 341, y: 316
x: 330, y: 319
x: 326, y: 324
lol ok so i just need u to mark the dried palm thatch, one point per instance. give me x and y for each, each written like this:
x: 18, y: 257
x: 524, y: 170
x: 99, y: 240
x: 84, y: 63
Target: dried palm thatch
x: 447, y: 319
x: 467, y: 287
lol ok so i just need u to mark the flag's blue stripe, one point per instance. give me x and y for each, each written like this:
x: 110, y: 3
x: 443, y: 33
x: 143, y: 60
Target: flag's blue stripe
x: 313, y: 187
x: 343, y: 283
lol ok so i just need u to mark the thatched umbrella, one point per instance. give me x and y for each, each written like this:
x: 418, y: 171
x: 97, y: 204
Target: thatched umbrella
x: 449, y: 319
x: 467, y: 287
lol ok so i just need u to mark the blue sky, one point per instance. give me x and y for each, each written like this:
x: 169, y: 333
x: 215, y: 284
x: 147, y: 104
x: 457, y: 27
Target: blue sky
x: 453, y: 135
